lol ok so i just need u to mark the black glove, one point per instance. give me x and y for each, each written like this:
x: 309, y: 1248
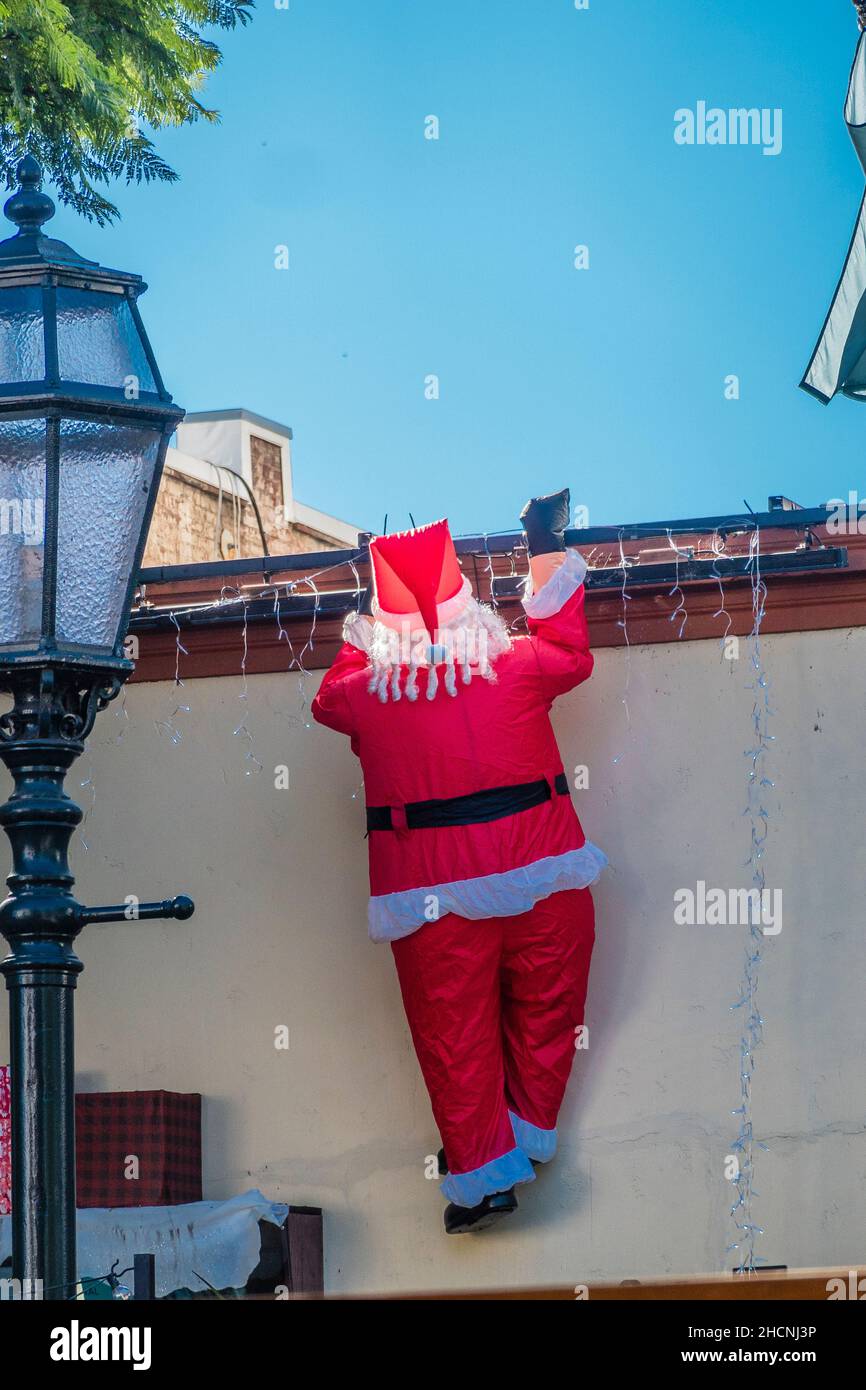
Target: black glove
x: 365, y: 606
x: 544, y: 522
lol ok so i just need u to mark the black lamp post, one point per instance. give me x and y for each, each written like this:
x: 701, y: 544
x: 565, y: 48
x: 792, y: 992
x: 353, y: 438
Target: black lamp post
x: 84, y: 425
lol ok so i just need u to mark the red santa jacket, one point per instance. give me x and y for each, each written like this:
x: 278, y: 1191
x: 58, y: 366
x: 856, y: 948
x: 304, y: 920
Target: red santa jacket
x: 492, y: 734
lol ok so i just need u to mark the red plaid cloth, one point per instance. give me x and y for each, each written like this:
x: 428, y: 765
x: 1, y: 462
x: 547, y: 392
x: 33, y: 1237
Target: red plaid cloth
x: 137, y: 1148
x: 5, y: 1144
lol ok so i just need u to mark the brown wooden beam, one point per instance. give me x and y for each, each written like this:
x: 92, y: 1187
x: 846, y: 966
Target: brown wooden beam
x: 796, y: 1285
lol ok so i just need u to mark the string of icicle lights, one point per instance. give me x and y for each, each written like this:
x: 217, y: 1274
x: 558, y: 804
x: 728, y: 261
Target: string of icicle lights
x: 679, y: 614
x: 230, y: 598
x: 752, y: 1029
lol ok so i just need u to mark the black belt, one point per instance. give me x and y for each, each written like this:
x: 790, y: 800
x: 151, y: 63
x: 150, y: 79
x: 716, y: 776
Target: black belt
x: 493, y: 804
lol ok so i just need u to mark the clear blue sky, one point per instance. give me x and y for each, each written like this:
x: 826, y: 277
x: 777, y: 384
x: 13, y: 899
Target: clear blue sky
x: 454, y: 257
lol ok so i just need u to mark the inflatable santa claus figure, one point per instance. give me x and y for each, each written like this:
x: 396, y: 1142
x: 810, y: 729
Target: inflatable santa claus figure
x: 479, y: 869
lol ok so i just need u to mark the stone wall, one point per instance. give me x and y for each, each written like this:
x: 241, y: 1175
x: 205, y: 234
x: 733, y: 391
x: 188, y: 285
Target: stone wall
x: 189, y: 526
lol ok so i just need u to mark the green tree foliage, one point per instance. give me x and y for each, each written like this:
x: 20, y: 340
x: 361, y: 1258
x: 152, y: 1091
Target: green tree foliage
x: 80, y: 79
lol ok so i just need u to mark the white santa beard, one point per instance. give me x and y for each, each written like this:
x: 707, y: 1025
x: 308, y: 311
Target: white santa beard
x: 472, y: 641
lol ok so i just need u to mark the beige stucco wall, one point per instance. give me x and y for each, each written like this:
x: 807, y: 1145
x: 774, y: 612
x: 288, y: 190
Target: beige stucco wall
x: 342, y: 1119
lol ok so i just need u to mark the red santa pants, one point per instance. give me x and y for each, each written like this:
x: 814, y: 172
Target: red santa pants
x: 493, y: 1006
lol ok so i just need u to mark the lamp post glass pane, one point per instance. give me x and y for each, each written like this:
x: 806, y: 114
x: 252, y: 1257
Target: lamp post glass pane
x: 22, y: 530
x: 22, y: 346
x: 98, y: 341
x: 106, y: 473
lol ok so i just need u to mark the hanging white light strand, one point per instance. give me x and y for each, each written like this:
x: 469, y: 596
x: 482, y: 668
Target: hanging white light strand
x: 282, y: 634
x: 243, y: 730
x: 518, y: 622
x: 623, y: 623
x: 168, y: 725
x: 744, y: 1145
x: 676, y: 589
x: 490, y: 575
x: 718, y: 546
x: 88, y: 784
x: 308, y: 646
x: 121, y: 714
x: 358, y: 793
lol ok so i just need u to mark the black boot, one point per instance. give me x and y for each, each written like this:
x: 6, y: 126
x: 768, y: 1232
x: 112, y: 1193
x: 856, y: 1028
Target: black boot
x: 459, y: 1220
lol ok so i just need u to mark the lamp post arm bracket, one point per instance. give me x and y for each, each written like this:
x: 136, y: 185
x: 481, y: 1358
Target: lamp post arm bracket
x: 134, y: 911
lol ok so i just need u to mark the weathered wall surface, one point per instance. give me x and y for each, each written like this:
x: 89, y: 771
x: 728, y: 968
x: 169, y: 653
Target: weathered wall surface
x: 342, y: 1118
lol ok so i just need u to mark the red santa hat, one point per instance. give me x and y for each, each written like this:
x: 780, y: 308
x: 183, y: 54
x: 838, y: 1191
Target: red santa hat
x: 417, y: 579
